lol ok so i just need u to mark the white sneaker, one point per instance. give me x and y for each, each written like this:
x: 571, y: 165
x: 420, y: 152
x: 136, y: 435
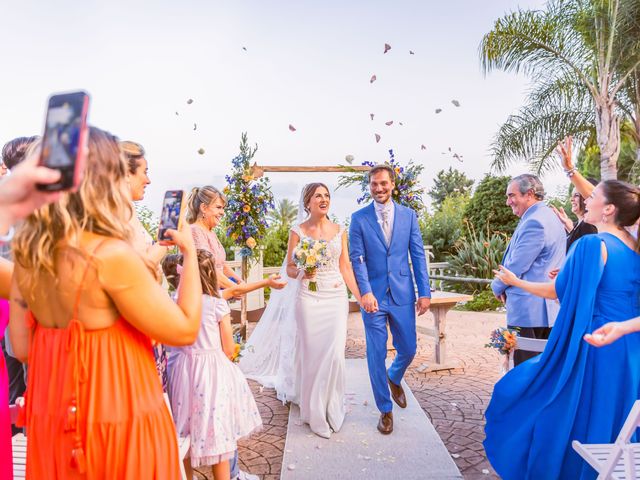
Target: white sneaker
x: 246, y: 476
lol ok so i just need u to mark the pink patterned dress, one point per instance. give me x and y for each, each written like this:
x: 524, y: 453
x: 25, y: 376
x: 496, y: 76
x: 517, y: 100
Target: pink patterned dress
x: 208, y: 240
x: 210, y: 397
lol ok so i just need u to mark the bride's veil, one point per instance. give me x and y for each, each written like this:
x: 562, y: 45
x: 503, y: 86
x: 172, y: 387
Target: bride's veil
x: 269, y: 356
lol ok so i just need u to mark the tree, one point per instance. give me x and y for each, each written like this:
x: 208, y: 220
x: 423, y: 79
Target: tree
x: 284, y: 214
x: 148, y: 219
x: 582, y: 56
x: 488, y: 209
x: 447, y: 183
x: 445, y: 226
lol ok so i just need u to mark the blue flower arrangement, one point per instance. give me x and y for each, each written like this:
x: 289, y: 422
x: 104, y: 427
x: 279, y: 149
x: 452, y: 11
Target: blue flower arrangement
x: 249, y: 201
x: 408, y: 191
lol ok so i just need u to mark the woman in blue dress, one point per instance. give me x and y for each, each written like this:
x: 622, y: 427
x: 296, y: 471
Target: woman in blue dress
x: 574, y: 391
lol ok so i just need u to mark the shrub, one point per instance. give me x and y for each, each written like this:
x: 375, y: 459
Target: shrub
x: 483, y: 301
x: 444, y: 228
x: 487, y: 208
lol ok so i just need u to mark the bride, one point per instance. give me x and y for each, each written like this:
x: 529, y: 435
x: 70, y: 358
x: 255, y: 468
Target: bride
x: 298, y: 345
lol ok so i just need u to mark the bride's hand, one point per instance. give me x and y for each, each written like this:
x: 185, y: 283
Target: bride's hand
x: 275, y: 282
x: 505, y: 276
x: 310, y: 275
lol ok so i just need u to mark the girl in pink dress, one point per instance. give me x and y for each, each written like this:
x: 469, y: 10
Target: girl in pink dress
x: 210, y: 397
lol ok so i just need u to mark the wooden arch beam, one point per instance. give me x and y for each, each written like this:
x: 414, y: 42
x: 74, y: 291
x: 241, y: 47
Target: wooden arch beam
x: 259, y: 171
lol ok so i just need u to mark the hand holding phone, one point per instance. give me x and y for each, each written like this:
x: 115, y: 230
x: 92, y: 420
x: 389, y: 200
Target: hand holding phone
x: 64, y: 142
x: 171, y: 217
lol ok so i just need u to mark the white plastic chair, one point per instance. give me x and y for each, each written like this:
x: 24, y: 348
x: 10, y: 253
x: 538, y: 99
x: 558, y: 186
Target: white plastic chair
x: 619, y: 460
x: 528, y: 344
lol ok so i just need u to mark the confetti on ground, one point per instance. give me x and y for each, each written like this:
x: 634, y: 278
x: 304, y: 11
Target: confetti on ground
x: 365, y: 403
x: 291, y: 466
x: 455, y: 455
x: 485, y: 471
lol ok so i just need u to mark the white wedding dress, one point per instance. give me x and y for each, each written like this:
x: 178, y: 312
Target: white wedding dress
x: 298, y: 345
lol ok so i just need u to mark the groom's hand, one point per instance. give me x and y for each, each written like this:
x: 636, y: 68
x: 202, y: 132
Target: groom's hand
x: 423, y: 305
x: 369, y: 303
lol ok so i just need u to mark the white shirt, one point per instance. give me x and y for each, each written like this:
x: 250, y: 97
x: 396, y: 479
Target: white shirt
x: 389, y: 207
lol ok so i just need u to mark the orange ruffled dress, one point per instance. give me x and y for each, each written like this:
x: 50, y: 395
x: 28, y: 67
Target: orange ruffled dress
x: 95, y: 408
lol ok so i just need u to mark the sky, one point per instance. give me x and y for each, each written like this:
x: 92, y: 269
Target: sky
x: 306, y: 63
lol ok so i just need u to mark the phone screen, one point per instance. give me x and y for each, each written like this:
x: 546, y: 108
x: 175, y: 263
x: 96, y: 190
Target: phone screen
x: 170, y: 216
x: 62, y: 143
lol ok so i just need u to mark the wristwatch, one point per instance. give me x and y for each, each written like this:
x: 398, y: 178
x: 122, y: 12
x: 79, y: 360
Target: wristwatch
x: 571, y: 172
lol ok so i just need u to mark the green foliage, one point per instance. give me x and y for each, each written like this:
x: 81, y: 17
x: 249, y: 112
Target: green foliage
x: 478, y: 254
x: 443, y: 228
x: 284, y: 214
x: 589, y: 157
x: 483, y: 301
x: 447, y: 183
x: 576, y: 52
x: 249, y: 201
x: 487, y: 208
x: 275, y: 246
x: 148, y: 219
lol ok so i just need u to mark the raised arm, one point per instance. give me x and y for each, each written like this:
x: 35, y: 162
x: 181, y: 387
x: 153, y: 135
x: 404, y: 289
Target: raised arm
x: 18, y: 328
x: 530, y: 244
x: 347, y: 270
x: 583, y: 186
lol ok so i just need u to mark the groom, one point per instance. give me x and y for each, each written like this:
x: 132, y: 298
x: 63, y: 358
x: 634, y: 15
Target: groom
x: 381, y: 236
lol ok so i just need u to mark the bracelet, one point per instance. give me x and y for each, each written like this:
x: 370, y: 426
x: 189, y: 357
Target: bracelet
x: 8, y: 237
x: 570, y: 173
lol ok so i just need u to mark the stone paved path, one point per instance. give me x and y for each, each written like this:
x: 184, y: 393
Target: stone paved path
x: 454, y: 400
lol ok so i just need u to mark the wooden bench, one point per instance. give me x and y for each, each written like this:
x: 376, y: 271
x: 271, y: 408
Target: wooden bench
x: 619, y: 460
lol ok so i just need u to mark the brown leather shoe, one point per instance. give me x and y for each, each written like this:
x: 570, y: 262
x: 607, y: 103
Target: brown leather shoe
x: 397, y: 393
x: 385, y: 424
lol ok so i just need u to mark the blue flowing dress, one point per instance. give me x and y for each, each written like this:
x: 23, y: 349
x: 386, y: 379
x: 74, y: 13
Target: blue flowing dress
x: 572, y: 391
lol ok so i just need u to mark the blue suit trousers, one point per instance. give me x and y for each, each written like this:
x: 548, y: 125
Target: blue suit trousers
x: 402, y: 323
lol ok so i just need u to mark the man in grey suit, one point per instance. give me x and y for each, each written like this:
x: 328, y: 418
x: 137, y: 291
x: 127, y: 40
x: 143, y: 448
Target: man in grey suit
x: 537, y: 246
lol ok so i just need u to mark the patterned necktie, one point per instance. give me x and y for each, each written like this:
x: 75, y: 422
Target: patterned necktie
x: 386, y: 225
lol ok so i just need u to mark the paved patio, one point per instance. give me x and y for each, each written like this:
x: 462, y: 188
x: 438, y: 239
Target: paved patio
x: 454, y: 400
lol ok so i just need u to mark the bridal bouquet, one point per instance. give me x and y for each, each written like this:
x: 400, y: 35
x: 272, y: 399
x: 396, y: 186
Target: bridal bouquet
x: 309, y: 255
x: 503, y: 339
x: 238, y: 348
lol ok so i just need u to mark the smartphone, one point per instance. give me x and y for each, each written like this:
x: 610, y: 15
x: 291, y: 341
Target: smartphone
x: 65, y: 139
x: 171, y: 215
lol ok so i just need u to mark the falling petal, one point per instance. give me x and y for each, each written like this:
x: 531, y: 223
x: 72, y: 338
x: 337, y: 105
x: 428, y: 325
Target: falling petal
x: 195, y: 126
x: 438, y: 110
x: 201, y: 151
x: 349, y: 159
x: 244, y: 48
x: 449, y: 148
x: 455, y: 102
x: 455, y: 455
x: 377, y: 138
x: 373, y: 79
x: 485, y: 471
x: 389, y: 123
x: 387, y: 47
x: 291, y: 466
x: 400, y: 123
x: 422, y: 147
x: 190, y: 101
x: 457, y: 157
x: 292, y: 128
x: 371, y: 115
x: 177, y: 113
x: 411, y: 52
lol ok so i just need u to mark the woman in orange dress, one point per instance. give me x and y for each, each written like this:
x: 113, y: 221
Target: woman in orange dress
x: 85, y: 306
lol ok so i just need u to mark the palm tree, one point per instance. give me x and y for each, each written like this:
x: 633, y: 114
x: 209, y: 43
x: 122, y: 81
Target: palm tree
x: 284, y: 214
x: 581, y: 56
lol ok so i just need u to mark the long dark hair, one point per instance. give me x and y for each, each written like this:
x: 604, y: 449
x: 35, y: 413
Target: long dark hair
x: 309, y: 191
x: 626, y: 198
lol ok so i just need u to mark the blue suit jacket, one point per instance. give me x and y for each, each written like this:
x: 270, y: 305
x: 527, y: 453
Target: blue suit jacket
x: 538, y: 246
x: 379, y: 268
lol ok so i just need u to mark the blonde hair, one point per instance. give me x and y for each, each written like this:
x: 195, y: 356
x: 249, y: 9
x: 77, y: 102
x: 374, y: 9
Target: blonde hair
x: 101, y: 205
x: 202, y: 196
x: 132, y: 152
